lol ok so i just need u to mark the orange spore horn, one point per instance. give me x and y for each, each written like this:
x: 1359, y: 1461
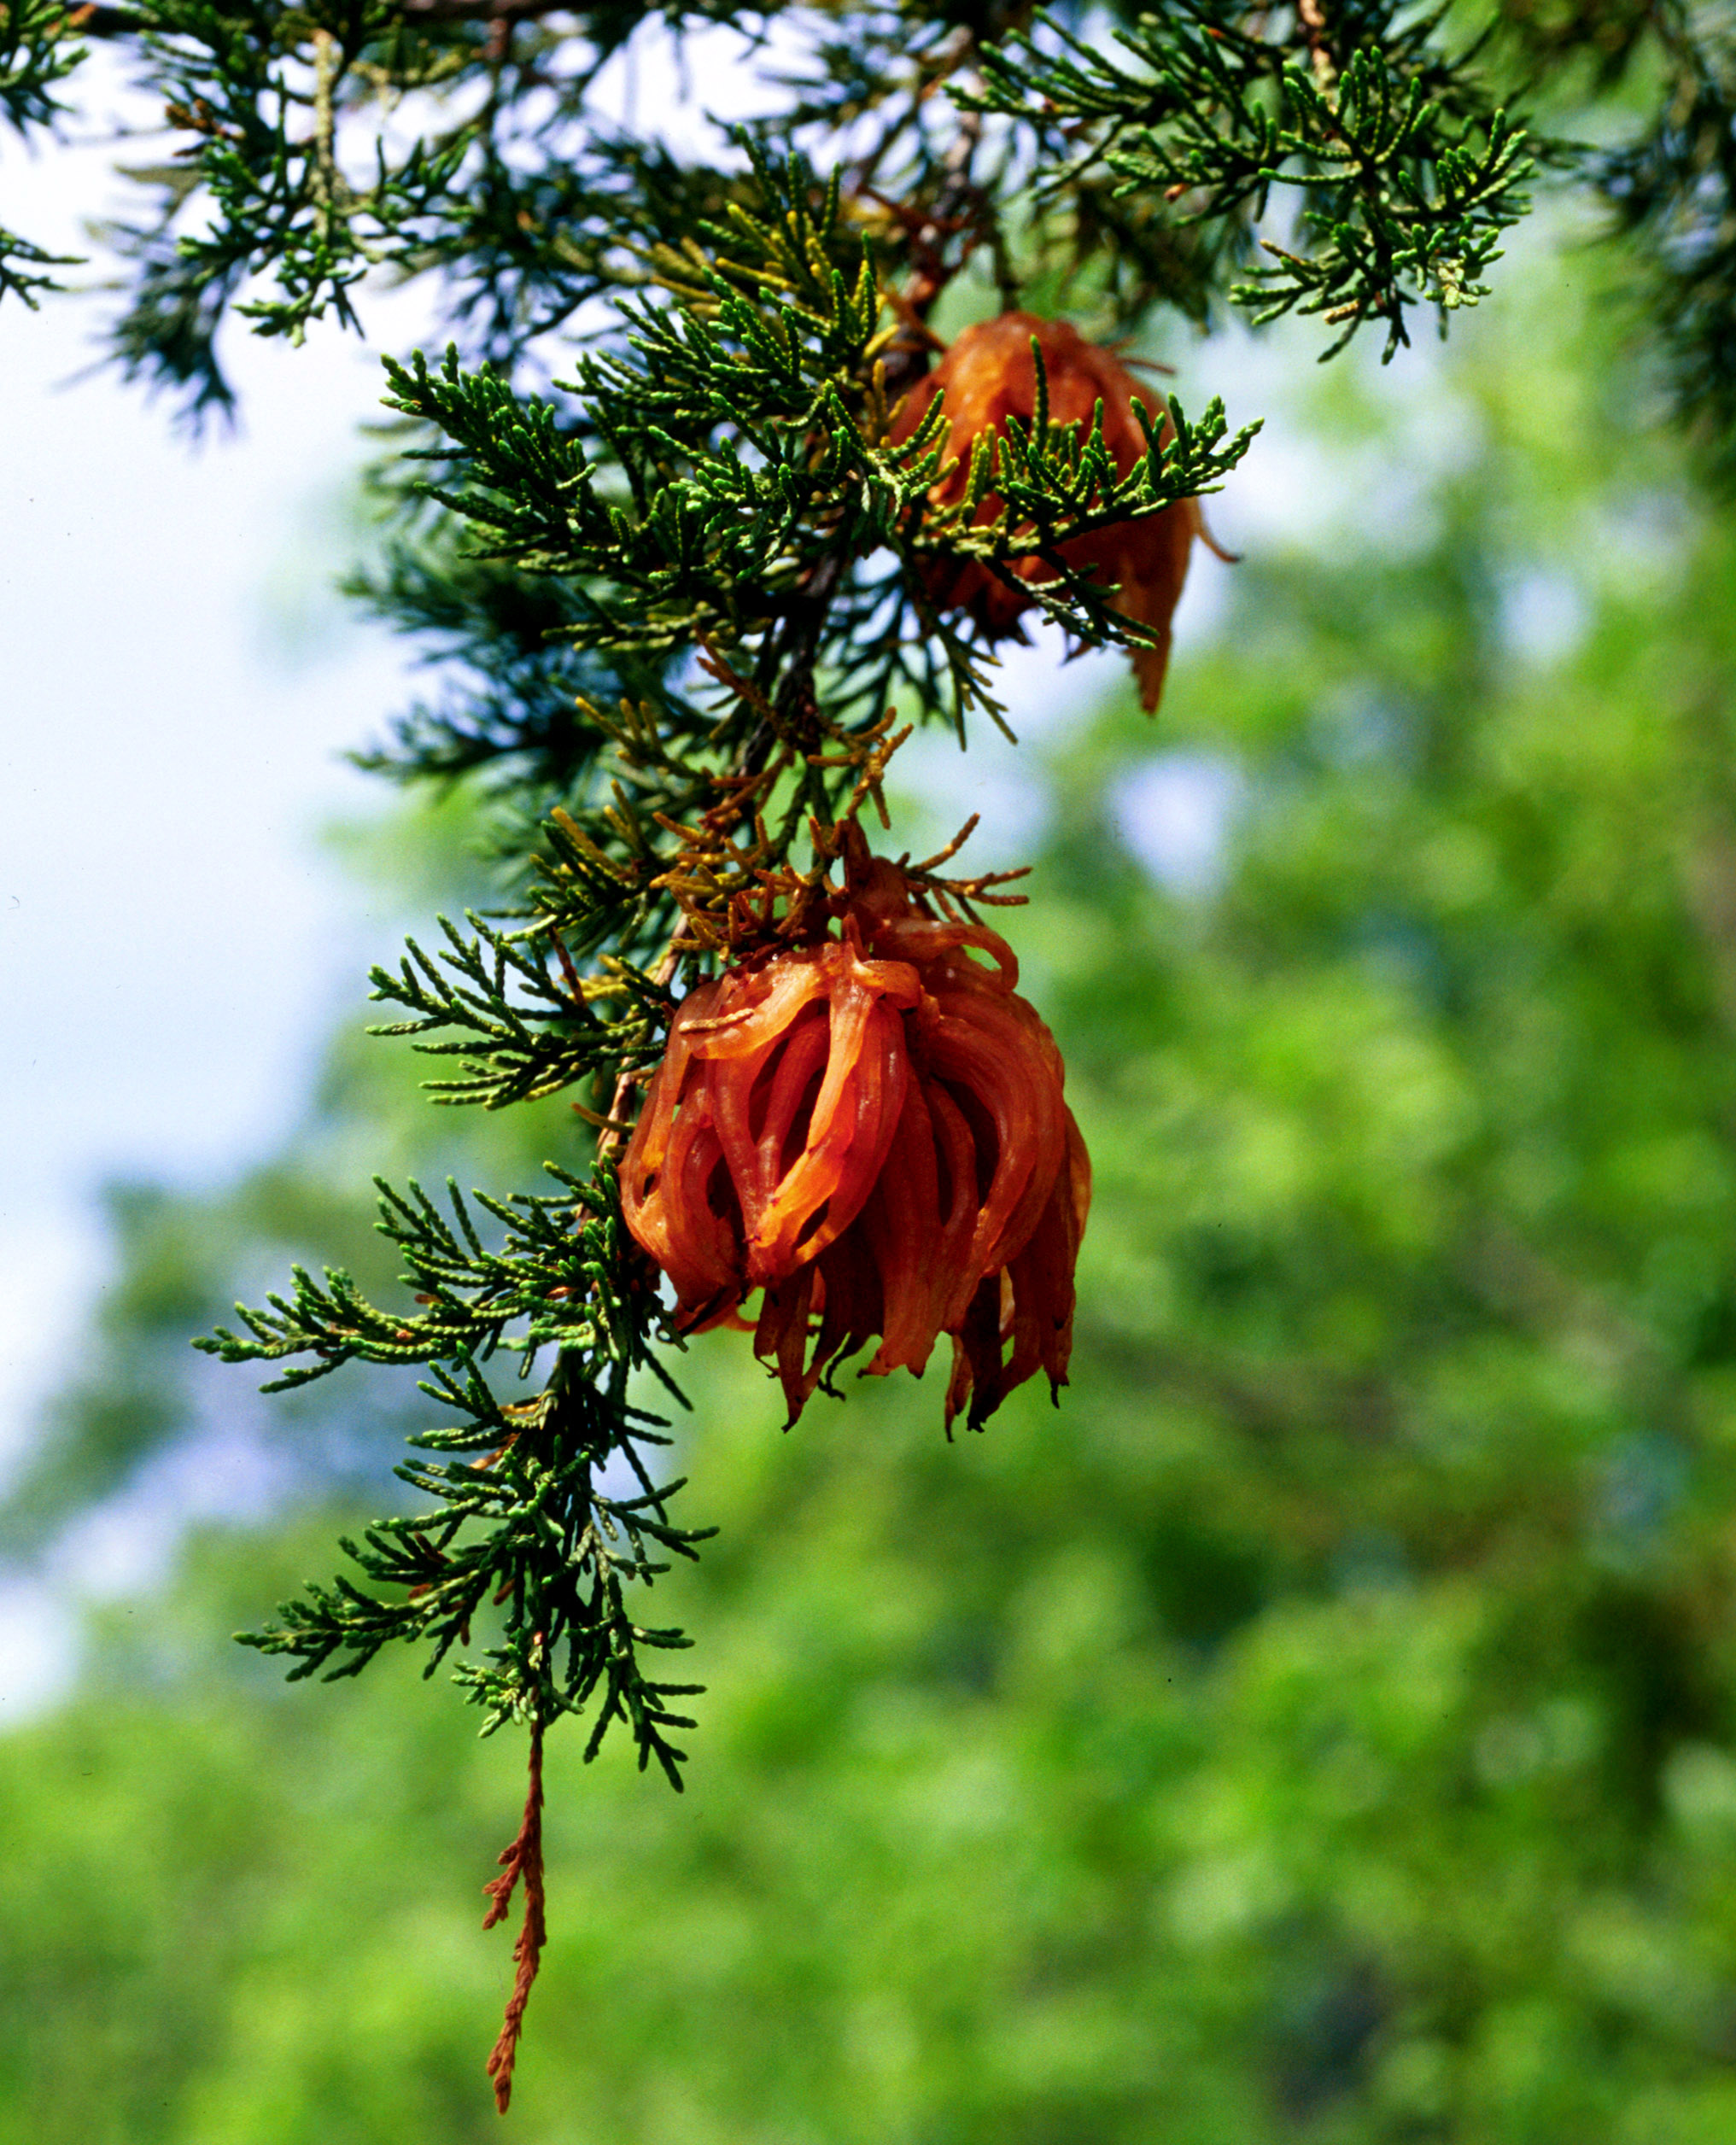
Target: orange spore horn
x: 870, y: 1130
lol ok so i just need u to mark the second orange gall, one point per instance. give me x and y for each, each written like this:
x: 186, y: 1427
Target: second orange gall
x: 871, y: 1130
x: 988, y: 375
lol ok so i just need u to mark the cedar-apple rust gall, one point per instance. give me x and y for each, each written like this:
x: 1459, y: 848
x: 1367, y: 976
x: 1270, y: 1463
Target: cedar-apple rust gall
x: 990, y: 375
x: 867, y: 1131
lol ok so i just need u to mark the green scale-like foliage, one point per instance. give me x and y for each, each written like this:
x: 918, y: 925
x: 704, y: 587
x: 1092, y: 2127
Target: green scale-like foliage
x: 1408, y: 175
x: 1150, y: 143
x: 547, y: 1542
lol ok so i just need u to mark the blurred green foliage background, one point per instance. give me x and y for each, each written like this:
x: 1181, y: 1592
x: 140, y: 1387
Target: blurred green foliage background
x: 1320, y: 1728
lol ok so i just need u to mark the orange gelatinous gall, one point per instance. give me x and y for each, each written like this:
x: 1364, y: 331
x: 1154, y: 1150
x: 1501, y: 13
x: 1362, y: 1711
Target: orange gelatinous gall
x: 990, y: 375
x: 869, y: 1129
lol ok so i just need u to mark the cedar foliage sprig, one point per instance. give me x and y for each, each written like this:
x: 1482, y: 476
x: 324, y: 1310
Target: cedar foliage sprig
x: 283, y: 185
x: 1406, y: 172
x: 526, y: 1532
x: 525, y: 1528
x: 39, y: 51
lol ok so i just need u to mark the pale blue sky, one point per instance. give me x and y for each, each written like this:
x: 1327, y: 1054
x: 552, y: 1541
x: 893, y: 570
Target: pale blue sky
x: 170, y: 942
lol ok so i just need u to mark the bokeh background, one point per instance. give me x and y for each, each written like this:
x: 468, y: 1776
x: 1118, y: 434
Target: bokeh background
x: 1317, y: 1729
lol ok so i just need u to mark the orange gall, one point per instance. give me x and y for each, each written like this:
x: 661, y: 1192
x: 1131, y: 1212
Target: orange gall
x: 869, y: 1130
x: 988, y: 375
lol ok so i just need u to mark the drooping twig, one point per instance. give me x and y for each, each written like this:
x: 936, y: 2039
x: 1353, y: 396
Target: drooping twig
x: 524, y: 1858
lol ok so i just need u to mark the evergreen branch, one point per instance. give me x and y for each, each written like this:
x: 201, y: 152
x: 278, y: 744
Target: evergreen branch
x: 39, y: 49
x: 18, y: 256
x: 1671, y: 191
x: 524, y: 212
x: 1405, y: 172
x: 546, y: 1270
x: 514, y: 708
x: 512, y: 1048
x: 525, y: 1526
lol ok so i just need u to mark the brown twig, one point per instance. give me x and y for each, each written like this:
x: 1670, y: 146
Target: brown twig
x: 619, y: 1123
x: 524, y: 1858
x: 959, y: 210
x: 1312, y: 18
